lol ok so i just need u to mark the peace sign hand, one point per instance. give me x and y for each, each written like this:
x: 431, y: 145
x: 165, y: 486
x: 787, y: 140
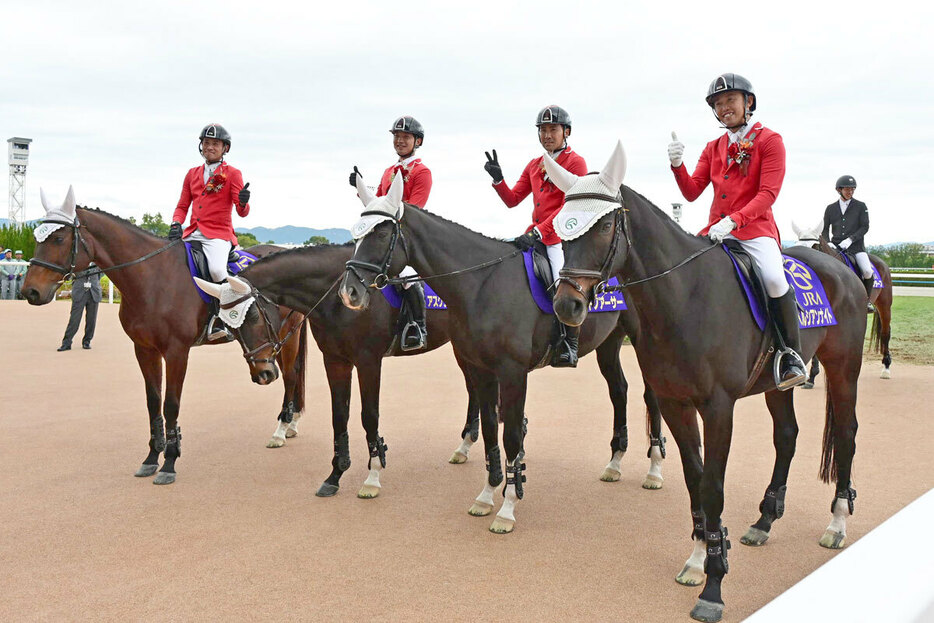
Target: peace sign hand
x: 492, y: 167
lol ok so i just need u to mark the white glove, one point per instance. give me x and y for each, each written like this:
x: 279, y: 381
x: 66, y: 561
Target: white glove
x: 846, y: 244
x: 721, y: 229
x: 675, y: 150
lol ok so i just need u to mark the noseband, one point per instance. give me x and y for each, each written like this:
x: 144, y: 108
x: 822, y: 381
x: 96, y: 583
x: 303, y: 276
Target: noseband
x: 621, y: 225
x: 381, y: 271
x: 271, y: 333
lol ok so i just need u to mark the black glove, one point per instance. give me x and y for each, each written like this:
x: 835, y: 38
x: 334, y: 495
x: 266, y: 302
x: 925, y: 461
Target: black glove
x: 492, y: 167
x: 353, y: 176
x: 175, y: 231
x: 526, y: 241
x: 244, y: 197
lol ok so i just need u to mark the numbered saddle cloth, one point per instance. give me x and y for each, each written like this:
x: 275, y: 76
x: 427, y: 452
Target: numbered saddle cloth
x: 876, y: 277
x: 540, y: 280
x: 432, y: 300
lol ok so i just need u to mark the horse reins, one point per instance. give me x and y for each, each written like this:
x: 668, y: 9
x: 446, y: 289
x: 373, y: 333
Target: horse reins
x: 382, y: 279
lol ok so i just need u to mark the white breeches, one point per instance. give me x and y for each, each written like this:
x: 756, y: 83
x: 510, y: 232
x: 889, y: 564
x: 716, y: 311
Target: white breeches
x: 865, y: 266
x: 216, y: 252
x: 768, y: 257
x: 555, y: 258
x: 408, y: 271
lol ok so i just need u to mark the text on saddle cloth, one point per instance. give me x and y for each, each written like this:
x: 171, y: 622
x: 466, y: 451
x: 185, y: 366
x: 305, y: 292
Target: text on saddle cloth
x: 813, y: 305
x: 432, y: 300
x: 876, y: 277
x: 238, y: 260
x: 606, y: 302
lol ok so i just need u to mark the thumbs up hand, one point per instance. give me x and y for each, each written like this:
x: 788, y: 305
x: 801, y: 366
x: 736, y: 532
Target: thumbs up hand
x: 244, y: 197
x: 675, y: 151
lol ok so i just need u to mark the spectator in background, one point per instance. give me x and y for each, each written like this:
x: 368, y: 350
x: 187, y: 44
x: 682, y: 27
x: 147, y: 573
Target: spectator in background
x: 20, y: 274
x: 85, y: 294
x: 7, y: 276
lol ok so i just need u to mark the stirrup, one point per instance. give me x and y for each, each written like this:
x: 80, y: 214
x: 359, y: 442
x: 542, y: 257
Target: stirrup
x: 413, y: 337
x: 796, y: 362
x: 870, y: 308
x: 215, y: 333
x: 564, y: 357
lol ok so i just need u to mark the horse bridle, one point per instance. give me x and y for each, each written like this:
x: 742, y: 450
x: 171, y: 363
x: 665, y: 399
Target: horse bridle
x: 570, y: 275
x: 381, y: 271
x: 271, y: 333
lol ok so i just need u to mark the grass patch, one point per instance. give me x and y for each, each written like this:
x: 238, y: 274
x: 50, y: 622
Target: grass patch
x: 912, y: 331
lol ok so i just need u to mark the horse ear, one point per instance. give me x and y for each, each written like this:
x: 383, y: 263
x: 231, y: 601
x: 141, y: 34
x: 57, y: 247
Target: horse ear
x: 395, y: 192
x: 796, y: 229
x: 45, y: 202
x: 819, y: 227
x: 69, y: 206
x: 214, y: 289
x: 238, y: 285
x: 561, y: 177
x: 615, y: 170
x: 363, y: 192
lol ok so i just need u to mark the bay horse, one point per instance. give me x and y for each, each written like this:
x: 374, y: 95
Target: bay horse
x: 160, y: 310
x: 495, y: 327
x: 881, y: 331
x: 699, y: 343
x: 305, y: 280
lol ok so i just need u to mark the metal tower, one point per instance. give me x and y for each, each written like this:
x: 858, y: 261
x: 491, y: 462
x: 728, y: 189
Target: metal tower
x: 676, y: 212
x: 18, y: 158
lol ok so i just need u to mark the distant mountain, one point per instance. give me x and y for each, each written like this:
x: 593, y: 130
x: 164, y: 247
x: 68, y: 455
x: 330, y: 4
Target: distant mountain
x: 290, y: 234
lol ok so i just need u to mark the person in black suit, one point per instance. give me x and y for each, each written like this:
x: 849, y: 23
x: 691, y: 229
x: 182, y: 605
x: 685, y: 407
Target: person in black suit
x: 85, y: 294
x: 848, y: 220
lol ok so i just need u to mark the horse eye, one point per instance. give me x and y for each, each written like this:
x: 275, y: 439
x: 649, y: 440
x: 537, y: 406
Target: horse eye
x: 606, y: 227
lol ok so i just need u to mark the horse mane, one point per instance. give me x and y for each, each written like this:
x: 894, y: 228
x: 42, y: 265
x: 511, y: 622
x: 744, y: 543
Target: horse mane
x: 307, y: 250
x: 464, y: 227
x: 121, y: 221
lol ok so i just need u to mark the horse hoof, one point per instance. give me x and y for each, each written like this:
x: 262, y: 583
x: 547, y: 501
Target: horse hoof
x: 652, y: 482
x: 457, y: 458
x: 807, y: 385
x: 275, y: 442
x: 145, y: 470
x: 164, y: 478
x: 502, y: 526
x: 480, y: 509
x: 291, y: 433
x: 833, y: 540
x: 327, y: 490
x: 754, y: 537
x: 886, y: 374
x: 368, y: 492
x: 690, y: 576
x: 610, y: 475
x: 707, y: 611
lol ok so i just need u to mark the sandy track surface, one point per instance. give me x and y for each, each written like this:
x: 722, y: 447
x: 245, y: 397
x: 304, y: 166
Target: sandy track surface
x: 241, y: 536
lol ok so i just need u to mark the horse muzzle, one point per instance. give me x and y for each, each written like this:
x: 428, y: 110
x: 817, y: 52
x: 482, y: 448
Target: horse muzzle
x: 570, y: 304
x: 354, y: 295
x: 266, y: 375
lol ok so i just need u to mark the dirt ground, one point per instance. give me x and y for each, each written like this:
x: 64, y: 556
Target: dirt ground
x: 241, y: 535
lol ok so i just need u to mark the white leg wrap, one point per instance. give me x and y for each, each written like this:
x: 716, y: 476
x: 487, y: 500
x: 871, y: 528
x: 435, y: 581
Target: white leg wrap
x: 614, y: 462
x: 698, y: 556
x: 465, y: 446
x: 486, y: 496
x: 509, y: 504
x: 655, y: 462
x: 280, y: 431
x: 840, y: 512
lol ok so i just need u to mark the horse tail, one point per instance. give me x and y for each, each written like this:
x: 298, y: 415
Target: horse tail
x: 828, y: 466
x: 875, y: 334
x: 300, y: 358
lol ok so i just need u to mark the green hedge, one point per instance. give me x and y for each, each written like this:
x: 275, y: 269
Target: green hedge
x: 18, y: 237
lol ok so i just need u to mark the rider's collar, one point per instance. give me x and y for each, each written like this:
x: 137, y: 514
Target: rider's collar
x: 406, y: 161
x: 733, y: 137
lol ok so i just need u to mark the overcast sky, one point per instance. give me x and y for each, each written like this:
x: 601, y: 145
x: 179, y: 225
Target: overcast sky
x: 115, y: 94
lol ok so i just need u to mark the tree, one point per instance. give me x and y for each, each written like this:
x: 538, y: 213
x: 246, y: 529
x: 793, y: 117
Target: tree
x: 905, y: 255
x: 154, y: 224
x: 246, y: 239
x: 314, y: 240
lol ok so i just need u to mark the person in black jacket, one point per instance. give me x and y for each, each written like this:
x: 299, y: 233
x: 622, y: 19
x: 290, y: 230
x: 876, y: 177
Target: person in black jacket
x: 848, y: 220
x: 85, y: 294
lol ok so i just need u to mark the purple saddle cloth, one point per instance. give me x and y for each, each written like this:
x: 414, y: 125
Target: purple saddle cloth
x: 432, y: 300
x: 244, y: 259
x: 606, y: 302
x: 876, y: 277
x: 813, y: 306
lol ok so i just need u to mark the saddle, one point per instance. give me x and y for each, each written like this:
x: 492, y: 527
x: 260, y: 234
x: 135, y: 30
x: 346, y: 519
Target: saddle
x: 748, y: 269
x: 541, y: 267
x: 237, y: 260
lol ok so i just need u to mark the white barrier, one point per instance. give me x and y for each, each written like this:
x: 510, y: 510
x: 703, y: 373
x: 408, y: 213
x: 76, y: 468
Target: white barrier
x: 888, y: 575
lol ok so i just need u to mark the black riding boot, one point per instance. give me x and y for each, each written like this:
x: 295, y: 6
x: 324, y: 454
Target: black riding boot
x: 868, y: 283
x: 784, y: 310
x: 566, y: 352
x: 415, y: 333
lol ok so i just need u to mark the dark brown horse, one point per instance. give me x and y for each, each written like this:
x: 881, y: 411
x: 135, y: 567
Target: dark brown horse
x: 496, y: 327
x: 160, y: 310
x: 700, y: 350
x: 881, y: 331
x: 306, y: 280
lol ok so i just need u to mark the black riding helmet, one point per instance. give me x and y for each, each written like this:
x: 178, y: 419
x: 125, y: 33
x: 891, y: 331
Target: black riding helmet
x: 410, y: 125
x: 553, y: 114
x: 730, y: 82
x: 846, y: 181
x: 214, y: 130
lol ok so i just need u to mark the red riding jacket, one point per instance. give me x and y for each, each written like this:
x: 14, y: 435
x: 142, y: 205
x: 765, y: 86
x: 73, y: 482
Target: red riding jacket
x: 746, y: 198
x: 212, y: 208
x: 547, y: 197
x: 416, y: 178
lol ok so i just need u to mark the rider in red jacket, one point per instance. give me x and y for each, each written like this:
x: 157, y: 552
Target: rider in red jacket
x: 746, y: 166
x: 407, y: 136
x: 554, y: 128
x: 214, y: 189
